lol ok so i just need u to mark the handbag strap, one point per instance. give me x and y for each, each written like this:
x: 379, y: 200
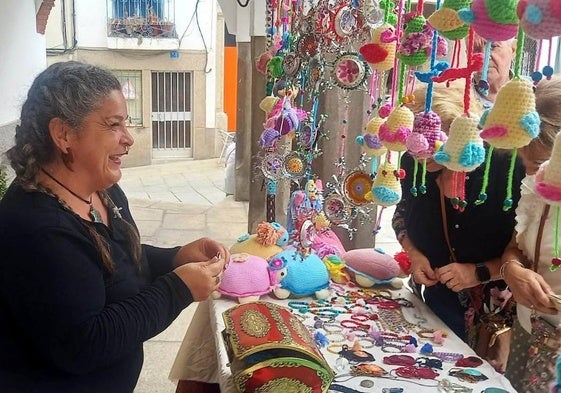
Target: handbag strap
x: 445, y: 222
x: 543, y: 218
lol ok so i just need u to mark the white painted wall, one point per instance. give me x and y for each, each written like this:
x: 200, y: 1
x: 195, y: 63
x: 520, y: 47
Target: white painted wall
x: 22, y: 52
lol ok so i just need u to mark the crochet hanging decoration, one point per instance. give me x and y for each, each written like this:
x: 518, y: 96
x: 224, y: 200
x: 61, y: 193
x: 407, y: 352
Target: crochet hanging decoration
x: 540, y: 19
x: 415, y: 47
x: 380, y: 52
x: 246, y: 278
x: 424, y: 141
x: 463, y: 151
x: 548, y: 186
x: 370, y: 141
x: 397, y: 127
x: 512, y: 123
x: 447, y: 21
x: 493, y: 20
x: 386, y: 188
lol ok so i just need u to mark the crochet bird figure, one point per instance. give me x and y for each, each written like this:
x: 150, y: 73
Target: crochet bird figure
x: 513, y: 121
x: 447, y: 22
x: 540, y: 19
x: 380, y: 52
x: 494, y: 20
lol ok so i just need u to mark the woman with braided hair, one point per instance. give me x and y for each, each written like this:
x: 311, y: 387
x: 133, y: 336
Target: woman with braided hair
x: 79, y: 293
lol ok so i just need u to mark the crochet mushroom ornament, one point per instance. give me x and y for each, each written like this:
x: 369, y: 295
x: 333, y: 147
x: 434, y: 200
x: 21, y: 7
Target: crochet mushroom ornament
x: 548, y: 186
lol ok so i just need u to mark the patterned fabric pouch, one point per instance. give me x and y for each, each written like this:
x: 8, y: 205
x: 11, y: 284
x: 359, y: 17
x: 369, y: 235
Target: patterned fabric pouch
x: 540, y: 368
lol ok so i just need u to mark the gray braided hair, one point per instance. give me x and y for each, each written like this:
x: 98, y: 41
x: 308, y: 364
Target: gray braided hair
x: 70, y: 91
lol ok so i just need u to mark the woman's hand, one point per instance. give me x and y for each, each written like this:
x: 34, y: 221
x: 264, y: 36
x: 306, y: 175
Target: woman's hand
x: 421, y: 270
x: 458, y: 276
x: 529, y: 288
x: 202, y: 249
x: 202, y: 278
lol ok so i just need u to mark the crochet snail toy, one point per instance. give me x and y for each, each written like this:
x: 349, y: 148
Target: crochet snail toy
x: 369, y: 266
x: 246, y: 278
x: 298, y: 275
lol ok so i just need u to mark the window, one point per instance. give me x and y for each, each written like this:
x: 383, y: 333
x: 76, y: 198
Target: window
x: 131, y: 82
x: 141, y: 18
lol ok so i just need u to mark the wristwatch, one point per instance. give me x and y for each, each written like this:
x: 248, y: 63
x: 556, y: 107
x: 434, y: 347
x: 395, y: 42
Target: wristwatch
x: 482, y: 272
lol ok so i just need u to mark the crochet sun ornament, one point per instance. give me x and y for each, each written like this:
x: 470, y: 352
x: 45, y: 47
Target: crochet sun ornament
x: 548, y: 186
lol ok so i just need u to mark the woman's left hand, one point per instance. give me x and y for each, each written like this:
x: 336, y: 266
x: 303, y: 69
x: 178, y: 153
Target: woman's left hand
x: 202, y: 249
x: 457, y: 276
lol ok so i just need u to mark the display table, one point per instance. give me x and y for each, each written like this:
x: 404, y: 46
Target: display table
x: 203, y: 357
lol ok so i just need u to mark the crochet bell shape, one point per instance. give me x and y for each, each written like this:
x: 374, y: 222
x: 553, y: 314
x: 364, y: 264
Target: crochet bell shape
x: 513, y: 121
x: 463, y: 151
x: 397, y: 128
x: 386, y: 189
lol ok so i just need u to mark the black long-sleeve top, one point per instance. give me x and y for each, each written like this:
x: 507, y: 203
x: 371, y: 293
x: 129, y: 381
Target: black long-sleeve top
x: 478, y: 234
x: 66, y: 324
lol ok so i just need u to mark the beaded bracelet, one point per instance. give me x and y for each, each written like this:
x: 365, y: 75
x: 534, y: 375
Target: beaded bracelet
x: 392, y: 347
x: 450, y: 357
x: 332, y: 337
x: 504, y: 265
x: 332, y: 328
x: 350, y: 324
x: 334, y: 348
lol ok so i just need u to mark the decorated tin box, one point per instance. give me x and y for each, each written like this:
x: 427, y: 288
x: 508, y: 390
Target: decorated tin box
x: 270, y: 350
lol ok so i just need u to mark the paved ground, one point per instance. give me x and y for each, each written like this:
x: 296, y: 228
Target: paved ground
x: 175, y: 203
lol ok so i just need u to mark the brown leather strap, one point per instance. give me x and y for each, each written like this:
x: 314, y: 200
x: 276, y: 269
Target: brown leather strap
x: 445, y: 222
x: 543, y: 218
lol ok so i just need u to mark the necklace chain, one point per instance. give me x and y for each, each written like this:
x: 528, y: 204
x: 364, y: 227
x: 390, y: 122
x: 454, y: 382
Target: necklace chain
x: 94, y: 213
x: 66, y: 188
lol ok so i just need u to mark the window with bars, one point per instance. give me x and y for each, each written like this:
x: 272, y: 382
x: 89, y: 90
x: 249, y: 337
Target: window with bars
x: 141, y: 18
x: 131, y: 82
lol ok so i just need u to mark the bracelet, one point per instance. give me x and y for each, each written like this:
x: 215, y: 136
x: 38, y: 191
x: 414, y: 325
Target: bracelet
x: 504, y: 265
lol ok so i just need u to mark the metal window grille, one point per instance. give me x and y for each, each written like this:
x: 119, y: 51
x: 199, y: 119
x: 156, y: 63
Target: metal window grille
x: 131, y: 82
x: 141, y: 18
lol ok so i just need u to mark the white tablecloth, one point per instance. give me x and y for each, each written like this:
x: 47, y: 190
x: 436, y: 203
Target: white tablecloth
x: 202, y: 356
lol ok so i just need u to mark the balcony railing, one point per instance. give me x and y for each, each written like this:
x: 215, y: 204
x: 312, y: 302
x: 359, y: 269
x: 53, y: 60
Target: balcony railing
x: 141, y: 18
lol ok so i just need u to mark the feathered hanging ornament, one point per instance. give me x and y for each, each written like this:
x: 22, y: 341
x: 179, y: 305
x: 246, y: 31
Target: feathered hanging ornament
x: 548, y: 186
x: 541, y: 20
x: 512, y: 122
x: 494, y: 21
